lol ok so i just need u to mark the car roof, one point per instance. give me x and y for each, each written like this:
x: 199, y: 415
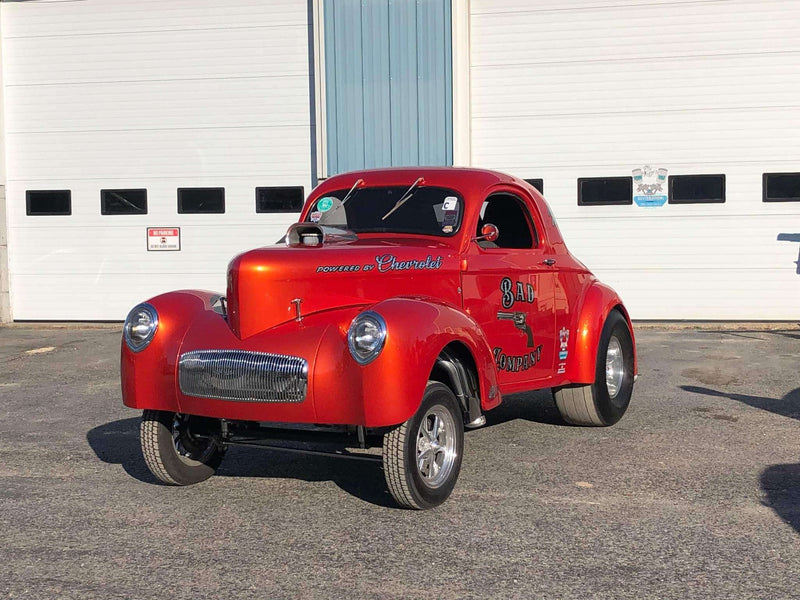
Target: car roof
x: 460, y: 178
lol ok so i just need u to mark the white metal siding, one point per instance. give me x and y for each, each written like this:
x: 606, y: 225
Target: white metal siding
x: 108, y: 94
x: 570, y: 89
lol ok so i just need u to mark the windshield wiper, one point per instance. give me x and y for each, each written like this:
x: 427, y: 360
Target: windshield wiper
x: 352, y: 189
x: 406, y: 196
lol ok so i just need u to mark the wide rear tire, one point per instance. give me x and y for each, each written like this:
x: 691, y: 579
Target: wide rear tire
x: 605, y: 401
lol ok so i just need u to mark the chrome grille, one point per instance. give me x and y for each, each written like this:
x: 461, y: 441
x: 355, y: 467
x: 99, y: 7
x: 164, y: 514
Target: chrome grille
x: 243, y: 376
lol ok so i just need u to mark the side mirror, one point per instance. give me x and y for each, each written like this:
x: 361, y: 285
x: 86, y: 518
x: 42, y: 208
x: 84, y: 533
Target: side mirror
x: 489, y: 233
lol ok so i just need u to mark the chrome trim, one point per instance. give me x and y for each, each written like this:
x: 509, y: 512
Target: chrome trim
x: 126, y: 328
x: 243, y: 376
x: 615, y: 367
x: 351, y: 342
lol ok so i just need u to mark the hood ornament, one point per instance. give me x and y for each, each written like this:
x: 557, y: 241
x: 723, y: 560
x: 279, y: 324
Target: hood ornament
x: 297, y: 302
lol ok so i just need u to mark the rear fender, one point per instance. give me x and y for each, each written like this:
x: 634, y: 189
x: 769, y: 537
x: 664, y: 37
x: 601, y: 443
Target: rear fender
x: 598, y: 301
x: 417, y: 332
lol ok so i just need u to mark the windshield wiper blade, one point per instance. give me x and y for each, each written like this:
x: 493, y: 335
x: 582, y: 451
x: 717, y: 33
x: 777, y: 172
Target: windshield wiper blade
x: 352, y: 189
x: 406, y: 196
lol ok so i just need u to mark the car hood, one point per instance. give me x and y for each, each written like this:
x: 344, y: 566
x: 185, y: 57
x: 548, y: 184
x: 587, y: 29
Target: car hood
x: 268, y: 286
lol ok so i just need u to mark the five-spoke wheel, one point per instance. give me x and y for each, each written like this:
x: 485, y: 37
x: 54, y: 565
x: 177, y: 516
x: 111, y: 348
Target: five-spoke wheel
x: 422, y: 457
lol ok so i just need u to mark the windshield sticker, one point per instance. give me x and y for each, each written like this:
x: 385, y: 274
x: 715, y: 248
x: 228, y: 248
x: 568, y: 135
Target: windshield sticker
x: 315, y: 216
x: 325, y: 204
x: 450, y: 218
x: 450, y: 203
x: 447, y: 229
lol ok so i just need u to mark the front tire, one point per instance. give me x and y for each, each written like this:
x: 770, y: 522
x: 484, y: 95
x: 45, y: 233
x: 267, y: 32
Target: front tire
x: 422, y: 457
x: 172, y: 454
x: 605, y: 401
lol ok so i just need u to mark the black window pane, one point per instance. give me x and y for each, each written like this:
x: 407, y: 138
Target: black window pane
x: 48, y: 202
x: 537, y: 183
x: 123, y: 202
x: 781, y: 187
x: 279, y: 199
x: 696, y: 189
x: 599, y: 191
x: 201, y: 200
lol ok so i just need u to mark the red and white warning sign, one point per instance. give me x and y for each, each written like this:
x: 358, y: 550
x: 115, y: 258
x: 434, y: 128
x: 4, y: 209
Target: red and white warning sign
x: 163, y: 238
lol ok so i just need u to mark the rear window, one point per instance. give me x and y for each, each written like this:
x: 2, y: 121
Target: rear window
x: 423, y: 210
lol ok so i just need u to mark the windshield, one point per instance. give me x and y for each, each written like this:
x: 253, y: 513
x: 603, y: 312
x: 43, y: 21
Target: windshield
x: 424, y: 210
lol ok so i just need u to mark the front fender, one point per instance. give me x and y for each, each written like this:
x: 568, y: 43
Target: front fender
x: 176, y: 312
x: 598, y: 301
x: 417, y: 331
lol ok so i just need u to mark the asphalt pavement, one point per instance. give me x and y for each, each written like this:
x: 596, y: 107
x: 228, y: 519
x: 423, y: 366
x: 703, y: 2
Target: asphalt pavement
x: 694, y: 494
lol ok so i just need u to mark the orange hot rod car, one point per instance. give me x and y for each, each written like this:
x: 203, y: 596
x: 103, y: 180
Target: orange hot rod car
x: 400, y: 309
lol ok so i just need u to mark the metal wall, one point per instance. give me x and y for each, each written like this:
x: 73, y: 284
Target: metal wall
x: 388, y: 83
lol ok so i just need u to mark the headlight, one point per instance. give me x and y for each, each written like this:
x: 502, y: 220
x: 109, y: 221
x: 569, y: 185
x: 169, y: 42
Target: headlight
x: 366, y: 336
x: 140, y: 326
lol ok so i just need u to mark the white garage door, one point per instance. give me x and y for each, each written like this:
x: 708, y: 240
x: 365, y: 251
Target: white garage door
x: 157, y: 96
x: 563, y: 90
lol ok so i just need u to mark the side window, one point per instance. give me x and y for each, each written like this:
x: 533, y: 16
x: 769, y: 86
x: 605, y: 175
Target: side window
x: 512, y: 219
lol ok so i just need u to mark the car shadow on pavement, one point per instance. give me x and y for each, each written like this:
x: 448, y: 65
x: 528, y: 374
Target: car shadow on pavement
x: 117, y: 442
x: 780, y: 483
x: 536, y: 407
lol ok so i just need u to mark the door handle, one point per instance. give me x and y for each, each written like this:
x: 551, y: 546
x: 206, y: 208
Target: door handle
x: 549, y: 262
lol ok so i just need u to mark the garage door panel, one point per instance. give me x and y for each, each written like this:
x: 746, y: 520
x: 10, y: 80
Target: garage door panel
x: 707, y: 294
x: 99, y: 296
x: 258, y: 102
x: 622, y: 33
x: 68, y: 18
x: 165, y: 153
x: 629, y: 139
x: 732, y: 82
x: 155, y: 55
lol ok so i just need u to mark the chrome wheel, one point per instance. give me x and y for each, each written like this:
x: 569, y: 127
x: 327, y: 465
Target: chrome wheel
x: 436, y: 446
x: 615, y: 367
x: 191, y: 451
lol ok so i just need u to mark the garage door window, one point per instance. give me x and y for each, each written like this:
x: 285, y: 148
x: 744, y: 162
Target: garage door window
x: 537, y: 183
x: 201, y: 200
x: 605, y: 191
x: 48, y: 202
x: 781, y: 187
x: 123, y: 202
x: 279, y: 199
x: 696, y: 189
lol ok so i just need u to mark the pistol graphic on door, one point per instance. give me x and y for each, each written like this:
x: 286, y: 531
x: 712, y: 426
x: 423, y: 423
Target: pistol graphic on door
x: 519, y: 322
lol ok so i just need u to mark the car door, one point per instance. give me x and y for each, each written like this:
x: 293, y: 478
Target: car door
x: 508, y: 288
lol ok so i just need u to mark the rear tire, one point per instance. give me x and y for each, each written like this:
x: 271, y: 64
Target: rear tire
x: 422, y: 457
x: 172, y: 454
x: 605, y: 401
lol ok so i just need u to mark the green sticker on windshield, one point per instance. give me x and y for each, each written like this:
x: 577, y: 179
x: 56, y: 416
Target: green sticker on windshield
x: 325, y: 204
